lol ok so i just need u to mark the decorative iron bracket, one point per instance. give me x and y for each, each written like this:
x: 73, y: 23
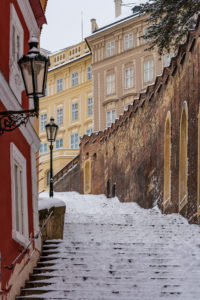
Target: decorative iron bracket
x: 11, y: 119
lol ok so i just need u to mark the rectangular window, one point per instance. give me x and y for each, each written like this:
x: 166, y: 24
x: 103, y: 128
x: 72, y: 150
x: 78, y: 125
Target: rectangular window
x: 110, y: 117
x: 167, y: 59
x: 59, y: 143
x: 19, y: 196
x: 43, y: 148
x: 128, y: 41
x: 110, y: 84
x: 74, y: 111
x: 89, y: 73
x: 129, y: 78
x: 110, y: 48
x: 43, y: 121
x: 59, y: 85
x: 148, y: 70
x: 145, y: 31
x: 89, y: 131
x: 74, y: 141
x: 48, y: 178
x: 45, y: 91
x: 74, y: 78
x: 90, y: 106
x: 59, y: 116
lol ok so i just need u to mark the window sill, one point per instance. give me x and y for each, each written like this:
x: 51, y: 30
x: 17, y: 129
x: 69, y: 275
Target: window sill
x: 129, y: 95
x: 109, y: 100
x: 73, y: 125
x: 19, y: 238
x: 88, y: 120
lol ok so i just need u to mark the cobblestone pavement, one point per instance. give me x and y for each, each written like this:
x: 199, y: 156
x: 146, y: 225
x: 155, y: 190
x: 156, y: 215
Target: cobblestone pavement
x: 120, y: 251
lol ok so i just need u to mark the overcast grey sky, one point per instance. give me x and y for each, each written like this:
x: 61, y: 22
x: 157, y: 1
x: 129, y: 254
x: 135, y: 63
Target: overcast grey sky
x: 64, y: 20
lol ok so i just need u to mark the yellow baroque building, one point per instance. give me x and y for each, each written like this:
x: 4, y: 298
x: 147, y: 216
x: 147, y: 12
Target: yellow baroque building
x: 69, y: 100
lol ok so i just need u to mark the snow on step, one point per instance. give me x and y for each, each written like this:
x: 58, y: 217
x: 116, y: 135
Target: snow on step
x: 114, y: 250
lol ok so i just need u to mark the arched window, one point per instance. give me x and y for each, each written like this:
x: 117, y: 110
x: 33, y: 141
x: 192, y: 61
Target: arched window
x: 183, y: 165
x: 87, y: 176
x: 108, y: 189
x: 167, y: 162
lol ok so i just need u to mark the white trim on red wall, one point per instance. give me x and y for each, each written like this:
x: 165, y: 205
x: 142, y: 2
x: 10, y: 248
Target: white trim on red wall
x: 19, y: 198
x: 35, y: 198
x: 10, y: 102
x: 15, y: 77
x: 29, y: 17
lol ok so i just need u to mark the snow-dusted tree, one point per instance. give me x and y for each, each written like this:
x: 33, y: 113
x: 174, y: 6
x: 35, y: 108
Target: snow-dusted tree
x: 171, y: 20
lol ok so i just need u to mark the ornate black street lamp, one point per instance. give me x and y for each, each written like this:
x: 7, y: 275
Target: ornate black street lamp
x: 51, y: 130
x: 34, y: 68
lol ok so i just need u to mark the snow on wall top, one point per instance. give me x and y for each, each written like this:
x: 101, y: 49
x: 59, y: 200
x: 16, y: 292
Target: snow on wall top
x: 46, y: 203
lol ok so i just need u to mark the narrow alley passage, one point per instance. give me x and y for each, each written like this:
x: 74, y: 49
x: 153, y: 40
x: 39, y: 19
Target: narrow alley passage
x: 121, y: 251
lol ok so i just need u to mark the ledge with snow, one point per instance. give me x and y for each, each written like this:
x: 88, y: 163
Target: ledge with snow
x: 55, y: 226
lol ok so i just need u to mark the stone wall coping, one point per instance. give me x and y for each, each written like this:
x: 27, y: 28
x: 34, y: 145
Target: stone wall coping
x: 47, y: 203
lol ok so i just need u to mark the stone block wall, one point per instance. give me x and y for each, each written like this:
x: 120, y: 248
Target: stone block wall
x: 127, y: 160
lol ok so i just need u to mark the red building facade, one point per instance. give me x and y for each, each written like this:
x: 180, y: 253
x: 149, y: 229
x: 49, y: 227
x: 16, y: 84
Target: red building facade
x: 19, y: 20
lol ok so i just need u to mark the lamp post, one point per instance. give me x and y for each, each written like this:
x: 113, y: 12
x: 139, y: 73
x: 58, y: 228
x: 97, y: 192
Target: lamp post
x: 51, y: 130
x: 34, y: 68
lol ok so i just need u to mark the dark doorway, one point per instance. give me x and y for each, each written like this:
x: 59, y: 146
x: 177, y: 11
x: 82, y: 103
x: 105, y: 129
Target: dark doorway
x: 114, y: 190
x: 108, y: 188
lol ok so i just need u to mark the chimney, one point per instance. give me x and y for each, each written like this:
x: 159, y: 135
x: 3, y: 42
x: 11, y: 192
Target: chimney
x: 118, y: 6
x: 94, y: 25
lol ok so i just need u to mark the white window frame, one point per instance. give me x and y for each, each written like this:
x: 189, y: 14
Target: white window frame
x: 43, y: 121
x: 128, y: 41
x: 110, y: 117
x: 110, y: 48
x: 110, y: 84
x: 75, y: 111
x: 89, y: 131
x: 16, y: 30
x: 47, y: 178
x: 43, y: 148
x: 148, y: 70
x: 129, y: 78
x: 59, y: 113
x: 16, y: 158
x: 59, y: 85
x: 59, y: 143
x: 89, y: 73
x: 167, y: 59
x: 74, y: 78
x: 90, y: 106
x: 74, y: 144
x: 145, y: 31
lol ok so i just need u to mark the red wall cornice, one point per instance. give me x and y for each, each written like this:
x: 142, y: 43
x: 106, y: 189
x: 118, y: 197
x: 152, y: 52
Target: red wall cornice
x: 38, y: 12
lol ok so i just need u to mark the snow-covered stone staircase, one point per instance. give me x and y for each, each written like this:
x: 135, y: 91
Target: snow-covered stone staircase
x: 126, y: 253
x: 41, y: 277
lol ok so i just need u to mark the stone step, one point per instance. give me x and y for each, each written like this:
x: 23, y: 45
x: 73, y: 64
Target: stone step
x: 38, y: 277
x: 35, y: 284
x: 43, y: 264
x: 34, y: 291
x: 50, y: 247
x: 53, y: 242
x: 47, y: 258
x: 44, y: 270
x: 49, y: 252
